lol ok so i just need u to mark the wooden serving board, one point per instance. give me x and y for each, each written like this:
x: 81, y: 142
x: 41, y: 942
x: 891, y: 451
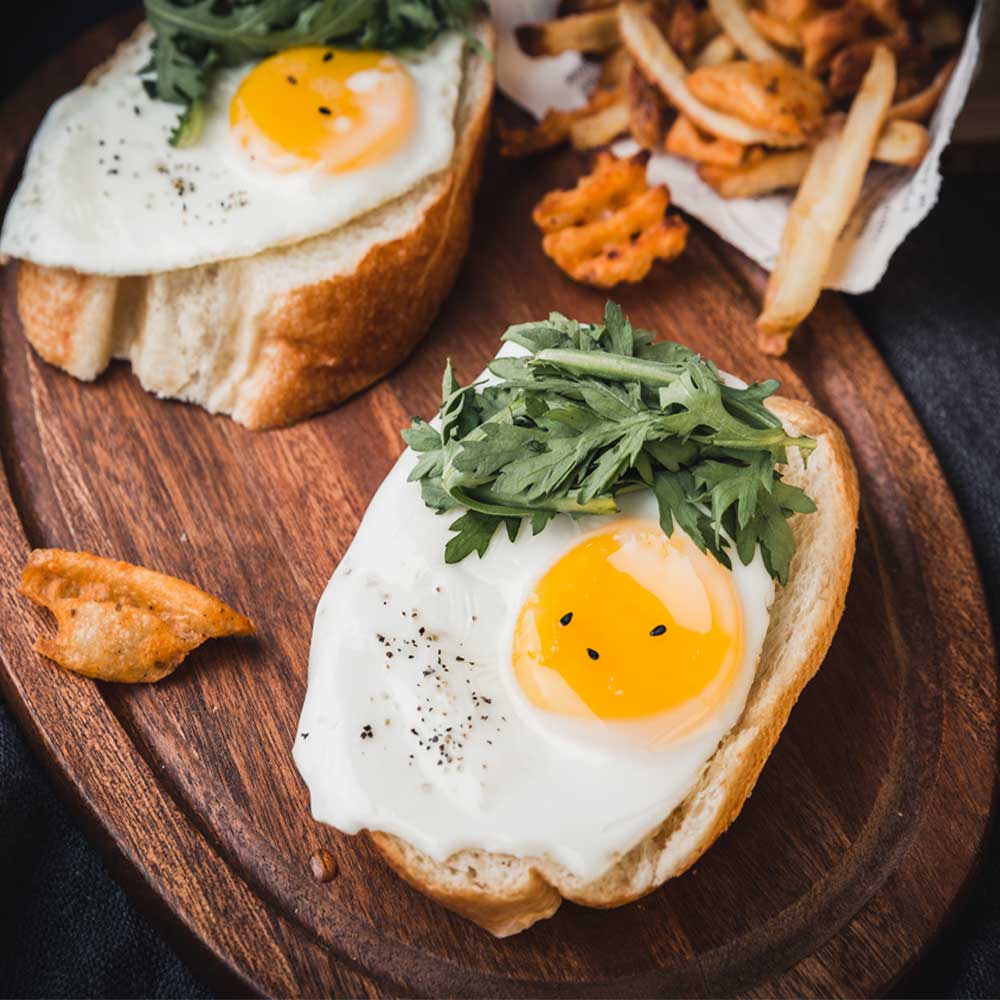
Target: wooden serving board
x: 863, y: 829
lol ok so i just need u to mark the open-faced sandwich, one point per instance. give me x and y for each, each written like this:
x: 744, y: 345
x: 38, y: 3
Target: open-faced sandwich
x: 567, y: 686
x: 260, y: 206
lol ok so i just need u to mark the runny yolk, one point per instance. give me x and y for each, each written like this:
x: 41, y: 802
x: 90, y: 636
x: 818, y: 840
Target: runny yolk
x: 629, y: 624
x: 320, y: 107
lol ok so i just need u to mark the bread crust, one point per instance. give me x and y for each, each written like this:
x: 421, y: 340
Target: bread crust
x: 314, y: 345
x: 804, y: 618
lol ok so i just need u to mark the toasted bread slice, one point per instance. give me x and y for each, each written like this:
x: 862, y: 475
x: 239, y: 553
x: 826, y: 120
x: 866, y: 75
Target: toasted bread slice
x: 505, y: 894
x: 275, y: 337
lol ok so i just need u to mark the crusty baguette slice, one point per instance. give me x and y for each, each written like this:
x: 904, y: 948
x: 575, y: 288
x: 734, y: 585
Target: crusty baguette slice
x: 275, y: 337
x: 505, y: 894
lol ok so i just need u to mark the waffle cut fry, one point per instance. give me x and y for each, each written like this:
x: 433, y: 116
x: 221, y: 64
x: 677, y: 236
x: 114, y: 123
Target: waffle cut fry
x: 612, y: 226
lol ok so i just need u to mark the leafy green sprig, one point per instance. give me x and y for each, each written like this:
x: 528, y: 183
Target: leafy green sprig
x: 194, y: 38
x: 598, y: 410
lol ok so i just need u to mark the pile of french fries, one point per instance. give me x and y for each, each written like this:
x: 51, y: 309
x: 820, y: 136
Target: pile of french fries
x: 784, y: 95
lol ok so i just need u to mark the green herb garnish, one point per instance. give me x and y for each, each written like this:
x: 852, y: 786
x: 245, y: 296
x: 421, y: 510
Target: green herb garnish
x: 599, y: 410
x: 196, y: 37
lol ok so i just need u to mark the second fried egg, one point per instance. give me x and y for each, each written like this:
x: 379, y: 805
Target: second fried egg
x: 293, y: 146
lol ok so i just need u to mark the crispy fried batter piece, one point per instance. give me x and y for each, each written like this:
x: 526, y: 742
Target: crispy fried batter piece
x: 770, y: 95
x: 119, y: 622
x: 555, y: 127
x: 611, y: 226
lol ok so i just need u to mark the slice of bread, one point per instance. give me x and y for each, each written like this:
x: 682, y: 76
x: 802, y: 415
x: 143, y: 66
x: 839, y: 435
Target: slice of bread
x: 506, y: 894
x: 273, y: 338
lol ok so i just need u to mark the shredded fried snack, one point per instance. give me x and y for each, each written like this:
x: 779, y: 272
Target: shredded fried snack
x: 592, y: 31
x: 920, y: 106
x: 611, y: 226
x: 554, y: 129
x: 684, y: 139
x: 119, y: 622
x: 775, y: 96
x: 661, y: 65
x: 732, y: 15
x: 822, y: 207
x: 646, y: 110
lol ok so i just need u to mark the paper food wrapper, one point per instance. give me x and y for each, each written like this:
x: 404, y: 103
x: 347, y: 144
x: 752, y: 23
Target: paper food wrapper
x: 893, y: 201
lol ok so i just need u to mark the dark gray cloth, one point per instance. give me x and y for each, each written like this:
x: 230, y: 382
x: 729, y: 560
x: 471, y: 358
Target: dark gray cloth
x: 66, y: 927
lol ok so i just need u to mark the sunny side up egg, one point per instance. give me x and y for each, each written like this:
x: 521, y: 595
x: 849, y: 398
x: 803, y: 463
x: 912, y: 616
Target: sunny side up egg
x: 558, y: 697
x: 293, y: 146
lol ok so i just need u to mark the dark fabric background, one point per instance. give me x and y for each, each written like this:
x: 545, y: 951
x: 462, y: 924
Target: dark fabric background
x: 68, y: 929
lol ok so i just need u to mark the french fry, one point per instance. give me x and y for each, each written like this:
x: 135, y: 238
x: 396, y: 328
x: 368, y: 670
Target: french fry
x: 681, y: 29
x: 592, y: 31
x: 612, y: 226
x: 772, y: 172
x: 775, y: 30
x: 601, y: 127
x: 686, y: 141
x: 119, y: 622
x: 707, y: 28
x: 732, y: 15
x: 646, y: 110
x: 773, y: 95
x: 824, y: 202
x: 921, y: 106
x: 554, y: 128
x: 660, y: 64
x: 901, y: 144
x: 614, y: 68
x: 719, y: 50
x: 823, y: 34
x: 941, y: 29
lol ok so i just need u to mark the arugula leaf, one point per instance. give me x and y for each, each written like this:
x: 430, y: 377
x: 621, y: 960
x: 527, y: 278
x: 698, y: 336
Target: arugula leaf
x: 598, y: 410
x: 196, y: 37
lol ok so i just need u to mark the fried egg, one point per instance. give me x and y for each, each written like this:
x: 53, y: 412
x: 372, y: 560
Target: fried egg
x: 557, y: 698
x: 292, y: 146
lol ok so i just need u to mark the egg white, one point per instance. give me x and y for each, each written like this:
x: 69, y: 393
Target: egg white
x: 104, y: 192
x: 523, y: 782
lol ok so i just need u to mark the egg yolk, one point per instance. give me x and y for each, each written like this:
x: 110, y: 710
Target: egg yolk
x: 628, y: 624
x: 319, y: 107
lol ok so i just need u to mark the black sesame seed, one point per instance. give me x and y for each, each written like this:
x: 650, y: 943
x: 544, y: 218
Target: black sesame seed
x: 324, y: 110
x: 659, y: 630
x: 292, y: 80
x: 593, y: 654
x: 566, y: 618
x: 327, y: 56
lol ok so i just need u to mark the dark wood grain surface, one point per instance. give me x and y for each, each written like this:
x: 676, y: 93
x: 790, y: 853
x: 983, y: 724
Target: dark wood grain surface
x: 866, y: 822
